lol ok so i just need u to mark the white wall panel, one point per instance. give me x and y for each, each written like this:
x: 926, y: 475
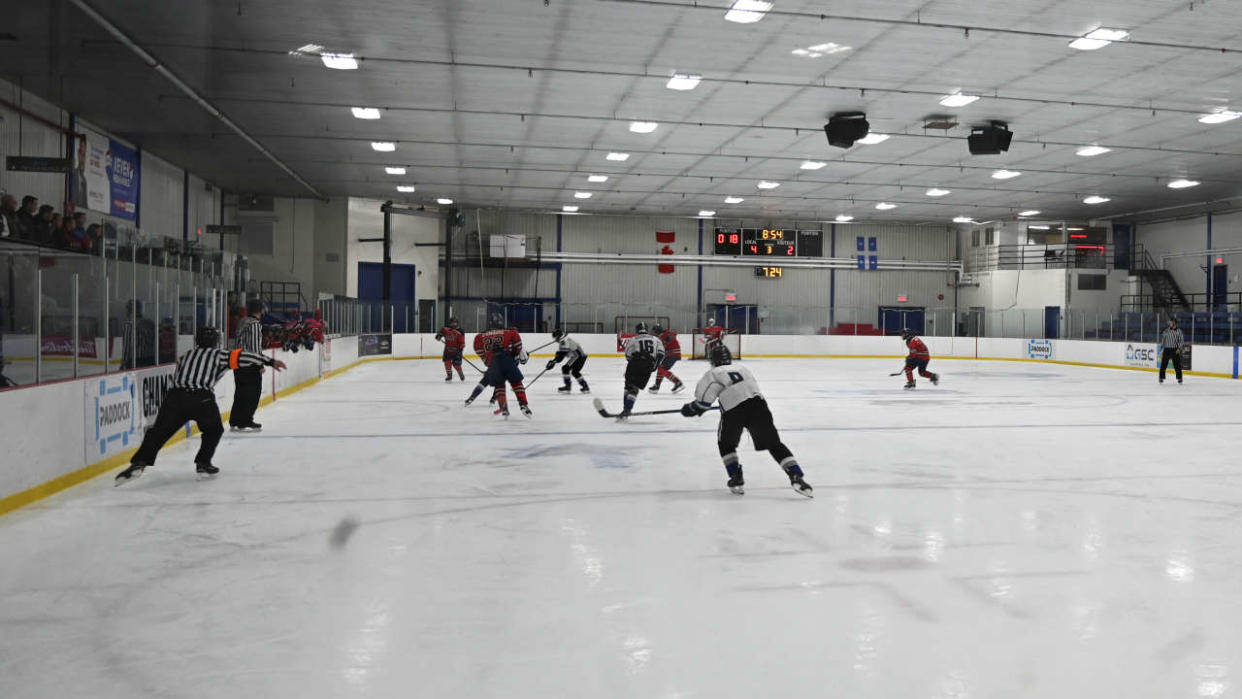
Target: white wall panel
x: 21, y: 135
x: 161, y: 197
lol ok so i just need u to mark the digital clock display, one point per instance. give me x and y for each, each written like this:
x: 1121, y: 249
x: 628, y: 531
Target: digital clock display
x: 770, y: 272
x: 769, y: 242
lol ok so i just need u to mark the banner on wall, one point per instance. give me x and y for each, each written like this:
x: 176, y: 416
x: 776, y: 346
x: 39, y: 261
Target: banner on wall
x: 1141, y: 355
x: 372, y: 345
x: 1039, y: 349
x: 106, y: 176
x: 112, y: 415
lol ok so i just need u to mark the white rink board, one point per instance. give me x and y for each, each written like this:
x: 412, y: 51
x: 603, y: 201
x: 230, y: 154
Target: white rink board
x: 1024, y: 530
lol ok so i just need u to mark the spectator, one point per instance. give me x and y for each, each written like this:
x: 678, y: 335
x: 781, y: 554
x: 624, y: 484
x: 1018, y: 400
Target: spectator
x: 44, y: 224
x: 27, y: 216
x: 62, y: 234
x: 77, y: 234
x: 94, y: 236
x: 8, y: 212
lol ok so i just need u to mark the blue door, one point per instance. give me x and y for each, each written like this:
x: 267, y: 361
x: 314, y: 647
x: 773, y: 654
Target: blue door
x: 401, y: 285
x: 523, y: 316
x: 1220, y: 287
x: 894, y: 319
x: 1052, y: 322
x: 1122, y: 248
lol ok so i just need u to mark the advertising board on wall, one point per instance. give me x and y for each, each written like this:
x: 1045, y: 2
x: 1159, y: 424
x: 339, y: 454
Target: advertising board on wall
x: 374, y: 344
x: 1141, y: 355
x: 1039, y: 349
x: 106, y: 175
x: 119, y: 408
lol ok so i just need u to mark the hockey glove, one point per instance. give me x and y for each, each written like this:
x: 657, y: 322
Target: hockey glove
x: 692, y: 409
x: 551, y: 363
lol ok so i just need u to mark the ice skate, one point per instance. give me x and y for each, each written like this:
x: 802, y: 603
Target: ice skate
x: 935, y: 379
x: 502, y: 411
x: 130, y: 473
x: 654, y: 389
x: 679, y: 387
x: 526, y: 410
x: 449, y: 378
x: 565, y: 389
x: 909, y: 385
x: 206, y: 471
x: 585, y: 389
x: 737, y: 485
x: 801, y: 487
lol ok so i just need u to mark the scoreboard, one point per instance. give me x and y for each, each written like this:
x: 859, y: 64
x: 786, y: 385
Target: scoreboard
x: 769, y: 242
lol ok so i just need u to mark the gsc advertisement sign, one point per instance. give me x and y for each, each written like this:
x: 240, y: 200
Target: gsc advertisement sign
x: 1142, y: 355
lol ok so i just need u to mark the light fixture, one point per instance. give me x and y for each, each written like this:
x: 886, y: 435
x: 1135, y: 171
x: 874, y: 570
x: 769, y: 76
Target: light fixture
x: 406, y: 188
x: 1038, y: 228
x: 1005, y: 174
x: 1089, y: 151
x: 873, y: 138
x: 1095, y: 199
x: 812, y: 164
x: 643, y: 126
x: 444, y: 201
x: 619, y: 157
x: 395, y: 170
x: 747, y: 11
x: 308, y: 48
x: 764, y: 184
x: 937, y: 192
x: 706, y: 213
x: 383, y: 146
x: 683, y: 82
x: 339, y: 61
x: 844, y: 218
x: 1183, y: 184
x: 885, y: 206
x: 1029, y: 212
x: 963, y: 219
x: 597, y: 178
x: 957, y: 99
x: 1098, y: 38
x: 582, y: 195
x: 734, y: 200
x: 820, y: 50
x: 365, y: 112
x: 1219, y: 116
x: 569, y: 209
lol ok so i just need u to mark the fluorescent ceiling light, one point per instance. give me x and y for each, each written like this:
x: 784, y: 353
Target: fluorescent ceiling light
x: 569, y: 209
x: 643, y: 126
x: 1219, y: 116
x: 734, y: 200
x: 407, y: 188
x: 1038, y: 228
x: 365, y: 112
x: 582, y: 195
x: 683, y: 82
x: 339, y: 61
x: 395, y: 170
x: 1095, y: 199
x: 597, y: 178
x: 619, y: 157
x: 957, y: 99
x: 308, y: 48
x: 764, y: 184
x: 1183, y: 184
x: 747, y: 11
x: 1029, y: 212
x: 706, y: 214
x: 1088, y: 151
x: 444, y: 201
x: 1098, y: 39
x: 873, y: 138
x: 812, y: 164
x: 383, y: 146
x: 963, y: 219
x: 1071, y: 228
x: 844, y: 218
x: 1005, y: 174
x: 801, y: 52
x: 937, y: 192
x: 885, y: 206
x: 829, y: 48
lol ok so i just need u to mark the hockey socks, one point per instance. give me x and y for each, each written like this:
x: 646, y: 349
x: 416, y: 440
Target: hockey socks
x: 734, y: 469
x: 478, y: 390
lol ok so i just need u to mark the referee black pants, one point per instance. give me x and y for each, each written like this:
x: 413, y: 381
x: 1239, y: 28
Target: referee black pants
x: 248, y: 382
x: 1176, y: 356
x: 180, y: 406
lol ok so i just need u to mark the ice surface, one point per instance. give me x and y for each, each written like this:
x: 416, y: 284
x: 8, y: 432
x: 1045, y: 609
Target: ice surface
x: 1023, y: 530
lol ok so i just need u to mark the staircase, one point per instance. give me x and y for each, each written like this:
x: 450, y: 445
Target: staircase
x: 1166, y: 294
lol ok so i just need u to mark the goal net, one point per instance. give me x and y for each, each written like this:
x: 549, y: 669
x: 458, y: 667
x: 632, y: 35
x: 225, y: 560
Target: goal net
x: 698, y: 346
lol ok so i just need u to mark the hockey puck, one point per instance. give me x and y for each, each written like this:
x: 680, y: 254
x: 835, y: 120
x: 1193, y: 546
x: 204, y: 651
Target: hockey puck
x: 342, y: 532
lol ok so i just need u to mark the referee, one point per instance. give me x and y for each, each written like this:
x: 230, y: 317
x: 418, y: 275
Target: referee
x: 192, y: 397
x: 248, y: 380
x: 1171, y: 339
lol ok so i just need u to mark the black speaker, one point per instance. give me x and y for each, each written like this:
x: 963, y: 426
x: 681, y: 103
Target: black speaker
x: 845, y: 128
x: 989, y: 140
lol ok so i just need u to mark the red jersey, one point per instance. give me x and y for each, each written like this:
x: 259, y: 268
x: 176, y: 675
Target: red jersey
x: 672, y: 348
x: 452, y: 337
x: 714, y: 332
x: 487, y: 344
x: 918, y: 350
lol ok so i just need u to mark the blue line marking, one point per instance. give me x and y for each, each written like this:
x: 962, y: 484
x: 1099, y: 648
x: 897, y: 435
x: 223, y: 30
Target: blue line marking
x: 1235, y: 361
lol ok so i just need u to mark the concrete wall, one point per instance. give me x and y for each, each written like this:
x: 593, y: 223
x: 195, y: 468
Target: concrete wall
x: 365, y: 220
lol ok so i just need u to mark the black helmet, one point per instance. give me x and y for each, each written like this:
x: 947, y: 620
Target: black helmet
x: 453, y: 322
x: 558, y: 333
x: 721, y: 355
x: 657, y: 329
x: 640, y: 329
x: 906, y: 333
x: 254, y: 307
x: 206, y: 337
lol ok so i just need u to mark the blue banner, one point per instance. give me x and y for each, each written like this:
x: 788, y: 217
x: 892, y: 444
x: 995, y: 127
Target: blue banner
x: 106, y: 176
x: 124, y: 174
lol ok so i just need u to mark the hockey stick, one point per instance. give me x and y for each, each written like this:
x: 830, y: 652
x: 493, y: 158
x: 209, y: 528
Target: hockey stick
x: 603, y: 412
x: 464, y: 357
x: 532, y: 381
x: 542, y: 346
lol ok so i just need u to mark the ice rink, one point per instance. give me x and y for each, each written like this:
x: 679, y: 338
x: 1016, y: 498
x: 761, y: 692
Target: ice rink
x: 1023, y: 530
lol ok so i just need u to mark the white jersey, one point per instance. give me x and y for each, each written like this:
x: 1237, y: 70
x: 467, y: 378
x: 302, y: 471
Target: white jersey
x: 570, y: 350
x: 730, y: 384
x: 644, y: 347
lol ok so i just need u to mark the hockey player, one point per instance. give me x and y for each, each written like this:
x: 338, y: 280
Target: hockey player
x: 712, y: 335
x: 191, y: 396
x: 917, y: 359
x: 672, y: 353
x: 571, y: 352
x: 744, y: 409
x: 643, y: 354
x: 454, y: 346
x: 501, y: 350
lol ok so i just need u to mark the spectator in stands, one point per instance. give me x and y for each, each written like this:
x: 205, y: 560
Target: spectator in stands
x: 62, y: 227
x: 94, y: 236
x: 43, y: 224
x: 28, y: 218
x: 77, y: 237
x: 8, y: 212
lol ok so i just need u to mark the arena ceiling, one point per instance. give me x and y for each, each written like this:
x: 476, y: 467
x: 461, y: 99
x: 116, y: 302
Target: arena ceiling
x: 514, y: 103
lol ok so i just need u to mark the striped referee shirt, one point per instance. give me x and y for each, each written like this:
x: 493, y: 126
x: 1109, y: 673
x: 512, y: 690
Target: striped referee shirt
x: 200, y: 368
x: 249, y: 335
x: 1171, y: 338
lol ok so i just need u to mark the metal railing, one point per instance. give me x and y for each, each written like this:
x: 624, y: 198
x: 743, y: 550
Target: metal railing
x: 1049, y: 256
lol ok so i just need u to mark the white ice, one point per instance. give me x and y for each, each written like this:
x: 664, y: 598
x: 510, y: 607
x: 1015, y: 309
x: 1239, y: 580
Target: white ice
x: 1022, y: 530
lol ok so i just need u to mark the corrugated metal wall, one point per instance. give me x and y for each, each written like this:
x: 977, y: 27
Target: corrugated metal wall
x: 21, y: 135
x: 161, y: 197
